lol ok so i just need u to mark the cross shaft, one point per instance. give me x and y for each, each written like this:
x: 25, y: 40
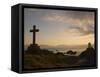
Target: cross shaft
x: 34, y: 30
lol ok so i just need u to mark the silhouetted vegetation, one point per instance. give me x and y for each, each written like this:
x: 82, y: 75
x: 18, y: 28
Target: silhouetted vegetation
x: 35, y: 58
x: 89, y: 56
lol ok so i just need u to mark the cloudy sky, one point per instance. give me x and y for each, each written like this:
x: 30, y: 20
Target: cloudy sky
x: 59, y: 27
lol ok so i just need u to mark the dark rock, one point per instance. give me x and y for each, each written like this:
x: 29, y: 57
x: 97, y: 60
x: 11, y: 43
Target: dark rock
x: 71, y: 52
x: 89, y: 56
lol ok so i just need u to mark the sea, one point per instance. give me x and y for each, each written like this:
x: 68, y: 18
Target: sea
x: 64, y: 50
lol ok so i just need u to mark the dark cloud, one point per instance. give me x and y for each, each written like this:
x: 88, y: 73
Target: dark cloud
x: 80, y: 14
x: 85, y: 30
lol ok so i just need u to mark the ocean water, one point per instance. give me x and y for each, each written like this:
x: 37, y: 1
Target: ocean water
x: 79, y: 51
x: 63, y: 50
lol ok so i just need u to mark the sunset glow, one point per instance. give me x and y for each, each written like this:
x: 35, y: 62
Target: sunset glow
x: 58, y: 27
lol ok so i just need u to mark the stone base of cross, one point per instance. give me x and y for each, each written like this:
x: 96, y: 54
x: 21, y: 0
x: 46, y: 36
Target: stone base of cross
x: 34, y: 47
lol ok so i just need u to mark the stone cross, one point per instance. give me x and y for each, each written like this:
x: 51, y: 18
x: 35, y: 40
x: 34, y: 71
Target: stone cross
x: 34, y: 30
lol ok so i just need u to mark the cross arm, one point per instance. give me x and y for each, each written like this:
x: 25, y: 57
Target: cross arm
x: 31, y: 30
